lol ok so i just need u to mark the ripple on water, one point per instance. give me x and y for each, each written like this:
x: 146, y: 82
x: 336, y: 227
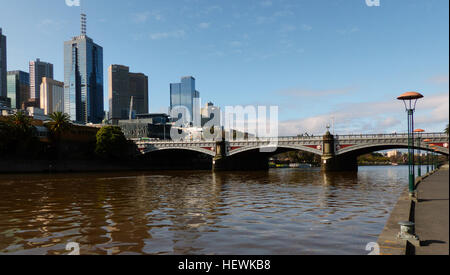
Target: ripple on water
x: 189, y: 212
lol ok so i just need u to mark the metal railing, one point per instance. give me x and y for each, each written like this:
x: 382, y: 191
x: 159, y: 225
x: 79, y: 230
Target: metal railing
x: 299, y: 138
x: 376, y: 136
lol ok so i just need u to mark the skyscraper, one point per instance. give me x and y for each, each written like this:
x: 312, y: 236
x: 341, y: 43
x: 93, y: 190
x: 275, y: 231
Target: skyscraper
x: 18, y: 88
x: 3, y: 71
x: 184, y: 94
x: 83, y: 78
x: 52, y: 96
x: 124, y: 85
x: 38, y: 70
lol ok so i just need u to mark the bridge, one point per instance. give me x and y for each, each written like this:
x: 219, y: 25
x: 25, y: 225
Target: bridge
x: 338, y: 153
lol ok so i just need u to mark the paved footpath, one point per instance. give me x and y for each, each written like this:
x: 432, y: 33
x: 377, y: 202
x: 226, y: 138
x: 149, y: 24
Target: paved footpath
x: 432, y: 214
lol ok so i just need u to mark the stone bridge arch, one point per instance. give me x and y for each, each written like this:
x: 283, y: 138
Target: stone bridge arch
x: 152, y: 149
x: 362, y: 149
x: 276, y: 149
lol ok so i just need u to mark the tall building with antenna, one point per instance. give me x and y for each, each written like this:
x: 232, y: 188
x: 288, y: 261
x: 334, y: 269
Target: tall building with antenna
x: 83, y: 78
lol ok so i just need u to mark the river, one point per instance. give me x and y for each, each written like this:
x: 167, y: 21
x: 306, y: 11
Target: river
x: 276, y: 212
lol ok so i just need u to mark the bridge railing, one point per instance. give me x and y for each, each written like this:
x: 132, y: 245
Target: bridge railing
x: 237, y: 140
x: 302, y: 138
x: 394, y: 135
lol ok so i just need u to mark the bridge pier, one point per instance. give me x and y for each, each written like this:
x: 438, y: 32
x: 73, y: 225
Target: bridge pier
x: 331, y: 162
x: 336, y: 164
x: 220, y: 160
x: 243, y: 162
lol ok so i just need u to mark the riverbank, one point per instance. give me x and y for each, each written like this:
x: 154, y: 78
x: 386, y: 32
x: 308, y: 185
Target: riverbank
x: 430, y: 213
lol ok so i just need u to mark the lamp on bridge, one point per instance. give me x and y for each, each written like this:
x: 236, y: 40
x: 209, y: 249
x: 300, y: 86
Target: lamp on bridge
x: 428, y: 154
x: 419, y: 144
x: 410, y: 100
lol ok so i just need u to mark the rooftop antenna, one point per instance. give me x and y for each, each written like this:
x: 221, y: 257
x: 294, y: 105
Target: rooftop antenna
x: 83, y: 22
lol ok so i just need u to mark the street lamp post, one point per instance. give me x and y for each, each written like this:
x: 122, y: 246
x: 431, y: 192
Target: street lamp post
x: 410, y: 100
x: 419, y: 143
x: 436, y: 158
x: 433, y: 156
x: 428, y: 154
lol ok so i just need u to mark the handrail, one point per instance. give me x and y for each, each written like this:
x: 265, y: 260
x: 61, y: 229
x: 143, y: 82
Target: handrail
x: 305, y: 138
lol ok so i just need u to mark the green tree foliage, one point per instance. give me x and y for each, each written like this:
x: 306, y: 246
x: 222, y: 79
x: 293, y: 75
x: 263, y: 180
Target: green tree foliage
x: 59, y: 124
x: 6, y: 137
x: 447, y: 129
x: 17, y: 135
x: 21, y: 123
x: 111, y: 143
x: 373, y: 159
x: 297, y: 157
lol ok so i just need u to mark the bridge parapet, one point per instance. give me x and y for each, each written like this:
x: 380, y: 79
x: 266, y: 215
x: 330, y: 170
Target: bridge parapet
x: 146, y: 147
x: 350, y: 143
x: 310, y: 144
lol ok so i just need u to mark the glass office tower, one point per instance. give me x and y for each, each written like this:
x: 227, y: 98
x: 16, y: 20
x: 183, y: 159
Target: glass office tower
x: 83, y: 80
x: 123, y: 86
x: 3, y: 71
x: 38, y: 70
x: 18, y: 88
x: 184, y: 94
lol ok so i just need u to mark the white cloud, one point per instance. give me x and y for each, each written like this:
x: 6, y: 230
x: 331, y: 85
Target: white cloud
x: 48, y: 26
x: 439, y: 79
x: 388, y: 122
x: 204, y: 25
x: 266, y: 3
x: 143, y: 17
x: 306, y: 27
x: 288, y: 28
x: 348, y: 31
x: 315, y: 93
x: 165, y: 35
x: 374, y: 117
x: 235, y: 44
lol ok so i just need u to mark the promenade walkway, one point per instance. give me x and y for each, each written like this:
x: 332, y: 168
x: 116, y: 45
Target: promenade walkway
x: 432, y: 214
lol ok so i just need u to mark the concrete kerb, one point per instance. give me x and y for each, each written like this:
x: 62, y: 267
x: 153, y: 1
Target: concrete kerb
x: 404, y: 210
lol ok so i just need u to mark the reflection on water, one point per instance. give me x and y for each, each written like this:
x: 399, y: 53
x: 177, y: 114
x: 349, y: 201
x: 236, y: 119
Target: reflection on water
x: 288, y: 211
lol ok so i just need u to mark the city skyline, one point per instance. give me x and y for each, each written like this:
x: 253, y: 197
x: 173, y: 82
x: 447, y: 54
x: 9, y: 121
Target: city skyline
x: 309, y: 69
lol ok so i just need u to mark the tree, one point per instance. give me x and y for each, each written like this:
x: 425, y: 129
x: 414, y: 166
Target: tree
x: 22, y: 139
x: 111, y: 143
x: 447, y: 129
x: 59, y: 124
x: 21, y: 123
x: 6, y: 137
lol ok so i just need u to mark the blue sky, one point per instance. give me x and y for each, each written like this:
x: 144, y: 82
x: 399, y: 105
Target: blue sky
x: 315, y: 59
